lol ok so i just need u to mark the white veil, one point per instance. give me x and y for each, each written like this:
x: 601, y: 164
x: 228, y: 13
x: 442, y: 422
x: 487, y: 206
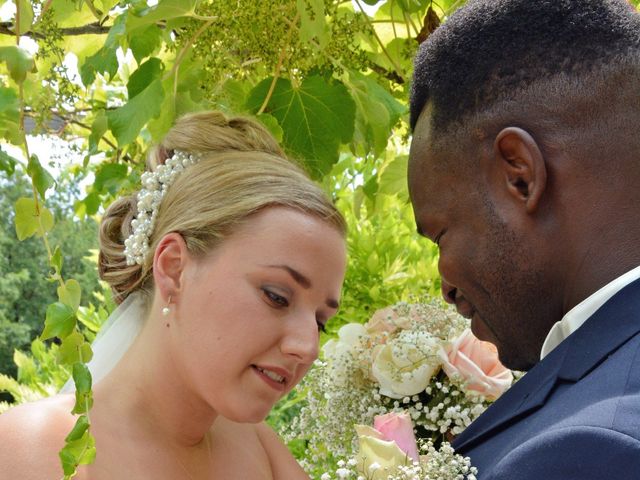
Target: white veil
x: 114, y: 339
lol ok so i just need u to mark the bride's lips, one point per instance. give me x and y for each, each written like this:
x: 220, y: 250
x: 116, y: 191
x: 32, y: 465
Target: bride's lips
x: 277, y: 378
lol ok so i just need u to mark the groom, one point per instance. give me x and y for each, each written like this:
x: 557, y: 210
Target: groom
x: 525, y: 170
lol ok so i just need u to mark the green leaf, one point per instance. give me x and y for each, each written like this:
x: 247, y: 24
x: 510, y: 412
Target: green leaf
x: 234, y: 95
x: 144, y: 42
x: 81, y: 426
x: 28, y: 218
x: 78, y: 452
x: 41, y: 178
x: 411, y: 6
x: 82, y: 379
x: 315, y: 118
x: 56, y: 260
x: 19, y: 62
x: 372, y: 121
x: 393, y: 179
x: 91, y: 203
x: 143, y: 76
x: 312, y: 22
x: 98, y: 129
x: 10, y: 115
x: 26, y: 16
x: 70, y: 294
x: 126, y: 122
x: 272, y: 125
x: 103, y: 61
x: 59, y: 321
x: 74, y: 349
x: 109, y: 176
x: 164, y: 10
x: 7, y: 162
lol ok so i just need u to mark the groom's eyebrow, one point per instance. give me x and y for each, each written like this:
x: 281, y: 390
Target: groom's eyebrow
x: 303, y: 281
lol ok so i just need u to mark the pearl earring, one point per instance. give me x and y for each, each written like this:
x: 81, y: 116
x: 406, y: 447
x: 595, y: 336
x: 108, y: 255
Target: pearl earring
x: 166, y: 310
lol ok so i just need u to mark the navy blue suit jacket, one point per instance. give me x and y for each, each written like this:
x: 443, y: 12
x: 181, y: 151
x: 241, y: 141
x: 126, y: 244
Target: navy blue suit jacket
x: 576, y: 414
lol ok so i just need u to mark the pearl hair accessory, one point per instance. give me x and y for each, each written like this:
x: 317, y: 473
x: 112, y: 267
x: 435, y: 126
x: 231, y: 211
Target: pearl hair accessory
x: 154, y: 187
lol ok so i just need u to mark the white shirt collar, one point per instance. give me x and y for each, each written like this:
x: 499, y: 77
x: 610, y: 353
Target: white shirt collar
x: 579, y: 314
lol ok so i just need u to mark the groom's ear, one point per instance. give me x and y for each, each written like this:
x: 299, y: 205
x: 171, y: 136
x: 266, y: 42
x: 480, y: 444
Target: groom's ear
x: 169, y: 261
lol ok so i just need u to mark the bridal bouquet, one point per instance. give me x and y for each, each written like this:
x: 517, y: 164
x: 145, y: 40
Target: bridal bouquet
x: 416, y: 358
x: 389, y: 451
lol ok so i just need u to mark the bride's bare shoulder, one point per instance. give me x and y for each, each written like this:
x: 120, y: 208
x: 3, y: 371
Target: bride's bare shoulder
x: 32, y: 435
x: 283, y: 464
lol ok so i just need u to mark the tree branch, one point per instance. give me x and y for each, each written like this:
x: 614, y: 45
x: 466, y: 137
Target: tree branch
x: 7, y: 28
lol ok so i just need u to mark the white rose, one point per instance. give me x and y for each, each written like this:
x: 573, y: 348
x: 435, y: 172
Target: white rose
x: 404, y: 366
x: 349, y: 339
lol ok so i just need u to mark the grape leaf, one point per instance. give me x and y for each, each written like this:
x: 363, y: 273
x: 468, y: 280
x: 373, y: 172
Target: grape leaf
x: 26, y: 219
x: 126, y: 122
x: 312, y: 21
x: 144, y: 41
x: 81, y: 451
x: 315, y: 118
x: 26, y: 16
x: 377, y: 112
x: 7, y: 162
x: 143, y: 76
x: 9, y: 115
x: 56, y: 260
x: 393, y: 179
x: 164, y: 10
x: 98, y: 129
x: 70, y: 293
x: 73, y: 349
x: 105, y: 60
x: 42, y: 179
x: 81, y: 426
x: 60, y: 321
x: 109, y: 176
x: 19, y: 62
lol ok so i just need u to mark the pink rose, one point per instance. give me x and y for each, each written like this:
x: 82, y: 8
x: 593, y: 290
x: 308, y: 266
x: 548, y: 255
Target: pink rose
x: 477, y: 363
x: 398, y: 427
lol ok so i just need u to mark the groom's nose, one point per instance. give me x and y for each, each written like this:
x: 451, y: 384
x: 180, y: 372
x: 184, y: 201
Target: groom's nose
x: 448, y: 292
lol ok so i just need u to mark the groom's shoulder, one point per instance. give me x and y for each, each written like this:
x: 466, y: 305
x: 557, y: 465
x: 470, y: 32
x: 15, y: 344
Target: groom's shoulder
x: 32, y: 434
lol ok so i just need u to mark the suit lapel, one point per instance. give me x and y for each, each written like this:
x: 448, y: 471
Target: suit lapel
x: 608, y: 328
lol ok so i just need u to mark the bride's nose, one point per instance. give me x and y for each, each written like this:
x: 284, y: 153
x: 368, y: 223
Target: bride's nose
x: 301, y: 339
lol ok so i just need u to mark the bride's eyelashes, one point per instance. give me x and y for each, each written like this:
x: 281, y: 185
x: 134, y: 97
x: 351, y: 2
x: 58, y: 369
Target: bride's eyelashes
x: 278, y: 301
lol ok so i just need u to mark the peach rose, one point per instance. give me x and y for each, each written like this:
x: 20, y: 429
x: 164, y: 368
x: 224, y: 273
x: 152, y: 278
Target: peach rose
x: 476, y: 363
x: 381, y: 321
x: 386, y: 320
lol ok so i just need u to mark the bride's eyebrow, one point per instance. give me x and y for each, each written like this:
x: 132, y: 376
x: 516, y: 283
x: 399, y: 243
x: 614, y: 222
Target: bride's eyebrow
x: 303, y: 281
x: 300, y: 279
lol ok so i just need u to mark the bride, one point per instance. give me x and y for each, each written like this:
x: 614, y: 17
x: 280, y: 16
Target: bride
x: 229, y: 260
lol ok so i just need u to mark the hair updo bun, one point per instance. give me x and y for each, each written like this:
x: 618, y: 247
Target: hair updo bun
x: 241, y: 170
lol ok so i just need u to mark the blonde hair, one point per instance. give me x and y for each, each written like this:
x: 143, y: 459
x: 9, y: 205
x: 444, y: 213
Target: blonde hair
x: 241, y: 171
